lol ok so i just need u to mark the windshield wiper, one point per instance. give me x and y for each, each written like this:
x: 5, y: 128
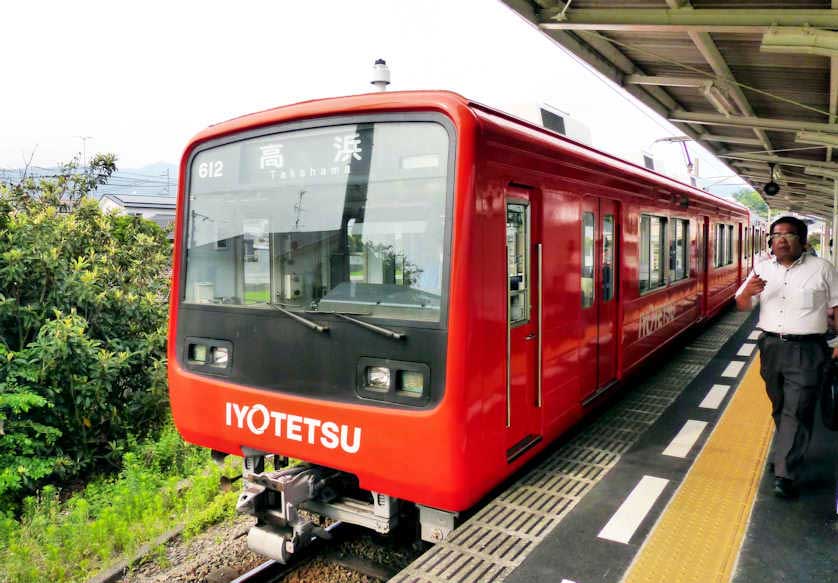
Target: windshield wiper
x: 377, y: 329
x: 304, y: 321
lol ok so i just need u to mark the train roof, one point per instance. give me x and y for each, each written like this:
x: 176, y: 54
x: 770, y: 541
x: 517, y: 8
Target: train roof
x: 455, y: 106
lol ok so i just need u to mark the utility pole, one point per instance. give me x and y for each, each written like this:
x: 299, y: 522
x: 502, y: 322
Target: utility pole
x: 84, y: 149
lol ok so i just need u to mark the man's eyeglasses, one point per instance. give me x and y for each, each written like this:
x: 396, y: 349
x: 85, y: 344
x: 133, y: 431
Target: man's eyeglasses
x: 787, y: 236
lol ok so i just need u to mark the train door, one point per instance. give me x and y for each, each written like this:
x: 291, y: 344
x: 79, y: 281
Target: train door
x: 702, y: 253
x: 740, y: 257
x: 523, y: 331
x: 600, y: 285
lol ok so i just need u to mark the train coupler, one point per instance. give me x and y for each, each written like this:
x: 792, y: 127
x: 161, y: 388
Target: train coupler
x: 275, y: 498
x: 280, y: 543
x: 287, y: 488
x: 286, y: 500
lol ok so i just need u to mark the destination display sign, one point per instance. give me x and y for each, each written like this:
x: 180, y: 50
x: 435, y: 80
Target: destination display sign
x: 316, y: 156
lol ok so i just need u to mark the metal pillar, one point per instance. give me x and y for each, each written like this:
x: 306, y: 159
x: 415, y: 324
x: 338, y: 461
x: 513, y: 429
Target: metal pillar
x: 834, y: 221
x: 824, y: 240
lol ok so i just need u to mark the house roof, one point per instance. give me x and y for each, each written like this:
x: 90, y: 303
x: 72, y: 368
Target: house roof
x: 143, y: 201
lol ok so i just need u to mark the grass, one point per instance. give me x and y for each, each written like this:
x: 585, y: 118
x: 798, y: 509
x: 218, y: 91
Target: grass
x: 257, y: 296
x: 113, y: 516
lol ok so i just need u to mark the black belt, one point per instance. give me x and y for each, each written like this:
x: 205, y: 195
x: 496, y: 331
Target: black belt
x: 796, y: 337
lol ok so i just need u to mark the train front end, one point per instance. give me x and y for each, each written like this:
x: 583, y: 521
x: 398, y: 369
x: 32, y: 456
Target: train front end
x: 310, y: 307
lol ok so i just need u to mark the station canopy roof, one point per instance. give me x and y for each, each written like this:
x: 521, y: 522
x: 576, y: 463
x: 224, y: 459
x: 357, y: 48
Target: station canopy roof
x: 755, y: 82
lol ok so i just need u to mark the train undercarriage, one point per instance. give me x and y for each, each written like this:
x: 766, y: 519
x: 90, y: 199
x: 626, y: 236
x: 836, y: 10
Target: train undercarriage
x: 292, y: 504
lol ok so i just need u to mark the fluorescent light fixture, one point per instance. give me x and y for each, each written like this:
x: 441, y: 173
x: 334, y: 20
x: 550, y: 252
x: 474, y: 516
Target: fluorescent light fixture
x: 817, y: 138
x: 814, y: 171
x: 800, y: 40
x: 719, y: 100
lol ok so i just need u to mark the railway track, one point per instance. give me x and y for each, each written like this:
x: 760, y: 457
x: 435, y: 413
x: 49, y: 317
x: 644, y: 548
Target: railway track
x: 322, y: 557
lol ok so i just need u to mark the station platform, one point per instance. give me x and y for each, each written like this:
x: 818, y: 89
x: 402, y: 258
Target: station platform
x: 667, y: 484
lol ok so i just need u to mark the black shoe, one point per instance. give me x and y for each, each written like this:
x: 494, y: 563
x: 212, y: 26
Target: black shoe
x: 784, y: 488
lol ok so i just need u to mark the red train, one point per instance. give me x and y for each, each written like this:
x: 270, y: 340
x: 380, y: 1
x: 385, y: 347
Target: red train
x: 414, y: 294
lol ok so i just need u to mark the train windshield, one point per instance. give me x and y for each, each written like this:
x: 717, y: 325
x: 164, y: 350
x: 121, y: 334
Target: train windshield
x: 347, y: 219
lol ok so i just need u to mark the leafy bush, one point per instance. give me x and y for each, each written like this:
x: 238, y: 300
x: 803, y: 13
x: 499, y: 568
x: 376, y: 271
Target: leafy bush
x: 83, y: 301
x: 113, y: 516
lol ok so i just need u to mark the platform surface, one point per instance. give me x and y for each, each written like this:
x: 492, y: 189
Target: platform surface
x: 668, y: 484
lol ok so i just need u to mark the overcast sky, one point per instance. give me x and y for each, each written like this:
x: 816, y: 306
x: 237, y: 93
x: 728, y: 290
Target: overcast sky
x: 140, y: 79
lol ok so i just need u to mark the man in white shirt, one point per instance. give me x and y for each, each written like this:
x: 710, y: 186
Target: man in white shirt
x: 796, y: 291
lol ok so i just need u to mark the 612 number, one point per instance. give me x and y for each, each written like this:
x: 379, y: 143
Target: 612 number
x: 211, y: 169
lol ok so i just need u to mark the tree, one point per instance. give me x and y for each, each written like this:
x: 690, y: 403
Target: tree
x: 751, y: 199
x: 83, y: 302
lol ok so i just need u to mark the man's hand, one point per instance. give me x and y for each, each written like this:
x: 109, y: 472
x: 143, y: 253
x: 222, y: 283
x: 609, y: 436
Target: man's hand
x: 754, y: 286
x: 835, y: 353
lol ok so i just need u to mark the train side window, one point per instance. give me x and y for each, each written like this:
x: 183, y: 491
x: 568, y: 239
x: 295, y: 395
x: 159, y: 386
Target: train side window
x: 657, y: 244
x: 730, y: 247
x: 673, y: 241
x: 720, y: 247
x: 652, y: 252
x: 607, y: 257
x: 745, y: 240
x: 587, y: 260
x: 644, y: 253
x: 517, y: 246
x: 678, y: 257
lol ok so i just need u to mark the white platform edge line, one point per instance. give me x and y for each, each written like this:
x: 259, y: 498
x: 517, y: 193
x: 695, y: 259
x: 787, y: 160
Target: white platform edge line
x: 633, y: 510
x: 682, y: 443
x: 733, y: 369
x: 754, y: 335
x: 715, y: 396
x: 746, y: 349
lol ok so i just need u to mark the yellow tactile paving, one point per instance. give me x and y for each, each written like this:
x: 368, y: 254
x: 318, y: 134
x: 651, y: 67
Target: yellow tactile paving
x: 699, y: 535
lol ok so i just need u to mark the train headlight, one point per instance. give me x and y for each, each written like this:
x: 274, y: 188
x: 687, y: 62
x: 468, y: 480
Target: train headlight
x: 411, y: 383
x: 394, y: 381
x: 199, y: 353
x: 220, y: 356
x: 209, y: 355
x: 378, y: 378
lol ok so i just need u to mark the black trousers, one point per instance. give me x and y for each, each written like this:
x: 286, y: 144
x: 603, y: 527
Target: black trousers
x: 793, y: 371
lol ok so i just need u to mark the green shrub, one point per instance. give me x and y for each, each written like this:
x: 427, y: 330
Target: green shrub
x: 114, y: 515
x: 83, y: 307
